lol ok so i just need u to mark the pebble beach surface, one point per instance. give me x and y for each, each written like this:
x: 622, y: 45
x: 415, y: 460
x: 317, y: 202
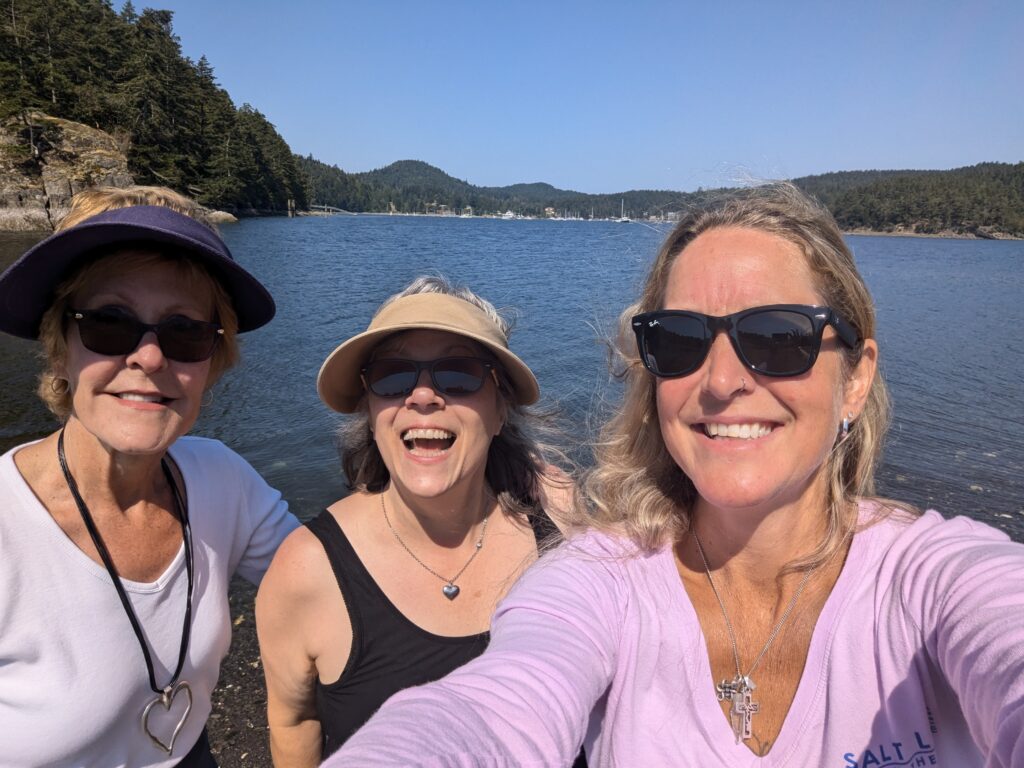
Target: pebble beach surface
x: 238, y: 723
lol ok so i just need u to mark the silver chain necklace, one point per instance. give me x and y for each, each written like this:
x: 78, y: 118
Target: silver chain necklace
x: 740, y: 689
x: 450, y: 588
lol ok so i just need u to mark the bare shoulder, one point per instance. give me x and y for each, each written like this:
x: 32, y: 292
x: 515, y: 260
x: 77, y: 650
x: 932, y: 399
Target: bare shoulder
x: 301, y: 617
x: 356, y: 515
x: 352, y: 507
x: 557, y: 495
x: 300, y: 569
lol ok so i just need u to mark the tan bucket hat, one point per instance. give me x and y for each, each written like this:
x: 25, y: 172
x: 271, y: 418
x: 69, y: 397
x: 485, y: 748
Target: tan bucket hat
x: 339, y: 382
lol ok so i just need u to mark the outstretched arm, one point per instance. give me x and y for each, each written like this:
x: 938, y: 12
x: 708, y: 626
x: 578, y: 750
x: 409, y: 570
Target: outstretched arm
x: 967, y: 585
x: 527, y: 700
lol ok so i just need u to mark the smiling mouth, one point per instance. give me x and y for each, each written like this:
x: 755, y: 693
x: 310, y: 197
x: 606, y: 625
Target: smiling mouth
x: 750, y: 431
x: 428, y: 442
x: 140, y: 398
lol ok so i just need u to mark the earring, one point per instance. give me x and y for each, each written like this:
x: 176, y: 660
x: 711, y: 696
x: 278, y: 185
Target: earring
x: 207, y: 399
x: 846, y: 426
x: 59, y: 386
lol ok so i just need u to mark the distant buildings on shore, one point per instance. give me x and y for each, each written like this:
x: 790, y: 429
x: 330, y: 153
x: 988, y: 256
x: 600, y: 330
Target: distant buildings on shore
x: 550, y: 213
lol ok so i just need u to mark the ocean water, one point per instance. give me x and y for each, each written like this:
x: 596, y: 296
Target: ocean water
x: 949, y: 318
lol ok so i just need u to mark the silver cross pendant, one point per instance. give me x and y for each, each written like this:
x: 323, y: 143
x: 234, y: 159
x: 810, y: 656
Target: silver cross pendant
x: 739, y: 693
x: 741, y: 713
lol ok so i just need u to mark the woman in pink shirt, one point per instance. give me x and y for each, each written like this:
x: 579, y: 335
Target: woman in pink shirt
x: 742, y: 597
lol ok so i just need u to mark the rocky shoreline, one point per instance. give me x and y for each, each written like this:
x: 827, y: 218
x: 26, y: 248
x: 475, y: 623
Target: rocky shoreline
x: 44, y: 161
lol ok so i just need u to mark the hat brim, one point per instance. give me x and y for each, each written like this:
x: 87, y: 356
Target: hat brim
x: 27, y: 287
x: 340, y: 384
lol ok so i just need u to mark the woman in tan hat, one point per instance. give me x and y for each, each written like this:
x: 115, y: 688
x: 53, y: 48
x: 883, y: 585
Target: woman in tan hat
x: 394, y: 585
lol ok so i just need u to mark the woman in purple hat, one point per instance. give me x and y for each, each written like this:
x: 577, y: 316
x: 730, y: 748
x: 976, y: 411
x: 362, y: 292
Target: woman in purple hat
x: 119, y: 535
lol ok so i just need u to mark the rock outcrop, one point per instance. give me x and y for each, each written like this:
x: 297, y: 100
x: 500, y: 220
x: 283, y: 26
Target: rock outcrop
x: 44, y: 163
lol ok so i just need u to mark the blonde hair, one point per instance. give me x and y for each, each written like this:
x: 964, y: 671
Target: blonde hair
x: 636, y: 488
x: 53, y: 386
x: 96, y: 200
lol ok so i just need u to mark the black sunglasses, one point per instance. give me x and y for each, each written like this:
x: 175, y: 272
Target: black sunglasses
x: 116, y: 331
x: 451, y: 376
x: 774, y: 340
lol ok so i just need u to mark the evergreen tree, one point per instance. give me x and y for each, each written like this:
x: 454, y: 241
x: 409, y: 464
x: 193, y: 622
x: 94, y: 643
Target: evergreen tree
x: 124, y: 72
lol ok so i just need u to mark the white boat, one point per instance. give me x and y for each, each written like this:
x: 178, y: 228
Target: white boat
x: 623, y: 219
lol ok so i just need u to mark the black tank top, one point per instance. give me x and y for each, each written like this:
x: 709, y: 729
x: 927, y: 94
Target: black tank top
x: 389, y: 652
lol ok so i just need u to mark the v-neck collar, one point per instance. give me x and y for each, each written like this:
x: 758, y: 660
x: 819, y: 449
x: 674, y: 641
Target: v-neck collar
x: 714, y: 726
x: 41, y: 518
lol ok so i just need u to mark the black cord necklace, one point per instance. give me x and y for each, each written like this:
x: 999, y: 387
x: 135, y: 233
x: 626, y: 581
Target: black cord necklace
x: 165, y: 695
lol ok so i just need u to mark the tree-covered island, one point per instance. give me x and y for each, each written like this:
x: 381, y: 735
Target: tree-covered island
x: 90, y: 94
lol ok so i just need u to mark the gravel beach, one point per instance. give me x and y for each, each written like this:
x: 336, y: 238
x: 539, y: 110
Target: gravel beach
x: 238, y: 723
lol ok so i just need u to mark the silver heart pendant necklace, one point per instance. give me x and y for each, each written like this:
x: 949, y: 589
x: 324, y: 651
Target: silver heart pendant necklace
x: 450, y: 589
x: 165, y: 696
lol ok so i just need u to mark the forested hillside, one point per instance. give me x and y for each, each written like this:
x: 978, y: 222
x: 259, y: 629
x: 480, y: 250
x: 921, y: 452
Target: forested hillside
x: 125, y: 73
x: 412, y: 186
x: 984, y: 200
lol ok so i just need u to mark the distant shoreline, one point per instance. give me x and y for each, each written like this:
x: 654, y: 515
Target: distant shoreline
x: 945, y: 235
x: 223, y: 217
x: 940, y: 235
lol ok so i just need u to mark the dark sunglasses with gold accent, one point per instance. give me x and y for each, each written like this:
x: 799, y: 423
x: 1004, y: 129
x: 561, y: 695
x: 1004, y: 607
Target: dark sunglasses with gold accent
x: 773, y: 340
x: 116, y: 331
x: 451, y: 376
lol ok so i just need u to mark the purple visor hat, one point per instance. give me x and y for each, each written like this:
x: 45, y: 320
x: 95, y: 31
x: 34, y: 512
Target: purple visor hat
x: 27, y: 287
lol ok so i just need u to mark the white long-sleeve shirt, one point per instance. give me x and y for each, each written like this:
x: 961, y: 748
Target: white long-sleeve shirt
x: 73, y: 681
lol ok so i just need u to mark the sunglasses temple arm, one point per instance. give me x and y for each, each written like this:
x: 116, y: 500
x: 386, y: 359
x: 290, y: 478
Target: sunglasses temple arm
x: 846, y: 332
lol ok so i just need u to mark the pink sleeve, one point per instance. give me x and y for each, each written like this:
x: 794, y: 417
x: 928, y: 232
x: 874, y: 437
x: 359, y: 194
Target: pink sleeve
x: 964, y: 583
x: 527, y: 700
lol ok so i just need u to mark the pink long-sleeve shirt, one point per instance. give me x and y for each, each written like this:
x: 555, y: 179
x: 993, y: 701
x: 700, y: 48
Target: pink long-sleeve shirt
x: 917, y: 659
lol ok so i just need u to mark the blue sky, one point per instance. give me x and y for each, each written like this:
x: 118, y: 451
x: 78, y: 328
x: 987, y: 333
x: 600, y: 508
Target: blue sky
x: 604, y: 97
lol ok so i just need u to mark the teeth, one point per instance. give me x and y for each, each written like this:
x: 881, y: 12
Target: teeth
x: 427, y: 434
x: 140, y: 398
x: 428, y: 442
x: 741, y: 431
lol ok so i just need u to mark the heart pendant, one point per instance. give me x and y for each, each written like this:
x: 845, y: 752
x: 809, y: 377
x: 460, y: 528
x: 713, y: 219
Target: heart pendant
x: 166, y: 699
x: 450, y: 591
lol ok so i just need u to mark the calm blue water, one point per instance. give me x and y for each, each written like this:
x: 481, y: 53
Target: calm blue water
x: 949, y: 314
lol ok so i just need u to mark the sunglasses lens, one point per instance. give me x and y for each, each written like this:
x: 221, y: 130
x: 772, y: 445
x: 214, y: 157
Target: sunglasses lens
x: 391, y: 378
x: 674, y: 345
x: 459, y: 375
x: 777, y: 342
x: 454, y: 376
x: 186, y: 340
x: 110, y: 331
